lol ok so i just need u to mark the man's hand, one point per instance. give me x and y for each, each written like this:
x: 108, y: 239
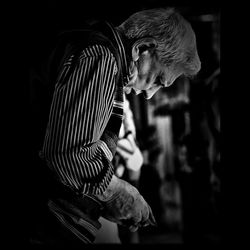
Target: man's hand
x: 124, y: 205
x: 130, y: 152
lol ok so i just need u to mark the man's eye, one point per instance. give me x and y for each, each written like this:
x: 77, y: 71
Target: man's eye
x: 158, y: 82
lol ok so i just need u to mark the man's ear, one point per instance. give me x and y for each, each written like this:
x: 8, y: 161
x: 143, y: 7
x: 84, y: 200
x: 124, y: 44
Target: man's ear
x: 142, y: 45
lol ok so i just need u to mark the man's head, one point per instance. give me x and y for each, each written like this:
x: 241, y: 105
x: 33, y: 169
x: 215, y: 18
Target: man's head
x: 163, y: 48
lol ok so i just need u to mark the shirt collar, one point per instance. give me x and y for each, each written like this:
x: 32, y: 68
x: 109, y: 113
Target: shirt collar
x: 122, y: 52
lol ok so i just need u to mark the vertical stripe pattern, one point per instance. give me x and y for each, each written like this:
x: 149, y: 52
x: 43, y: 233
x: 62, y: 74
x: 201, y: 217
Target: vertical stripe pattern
x: 80, y: 110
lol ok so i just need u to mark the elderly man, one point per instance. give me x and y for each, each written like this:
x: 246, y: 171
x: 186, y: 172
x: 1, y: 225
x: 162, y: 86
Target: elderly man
x: 91, y: 69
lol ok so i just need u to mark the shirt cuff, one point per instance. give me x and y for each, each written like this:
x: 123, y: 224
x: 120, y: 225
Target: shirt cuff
x: 106, y: 150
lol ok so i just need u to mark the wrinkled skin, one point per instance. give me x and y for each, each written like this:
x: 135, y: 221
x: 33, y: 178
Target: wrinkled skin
x: 124, y: 205
x: 148, y: 75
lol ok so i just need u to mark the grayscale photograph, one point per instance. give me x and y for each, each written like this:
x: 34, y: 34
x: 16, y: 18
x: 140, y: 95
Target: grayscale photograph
x: 125, y: 124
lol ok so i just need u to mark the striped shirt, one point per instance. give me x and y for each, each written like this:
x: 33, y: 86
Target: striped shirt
x: 81, y: 108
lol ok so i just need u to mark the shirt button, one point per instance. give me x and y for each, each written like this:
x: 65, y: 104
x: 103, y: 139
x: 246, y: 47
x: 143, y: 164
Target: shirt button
x: 115, y: 69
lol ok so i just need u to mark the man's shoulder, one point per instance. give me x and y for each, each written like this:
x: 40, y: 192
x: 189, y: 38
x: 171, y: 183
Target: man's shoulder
x: 97, y: 50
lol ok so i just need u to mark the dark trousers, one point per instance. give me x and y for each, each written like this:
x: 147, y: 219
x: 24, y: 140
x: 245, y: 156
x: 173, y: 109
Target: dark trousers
x: 49, y: 231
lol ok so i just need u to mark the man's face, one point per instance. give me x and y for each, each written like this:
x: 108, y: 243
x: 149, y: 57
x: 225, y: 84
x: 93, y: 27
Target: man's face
x: 151, y: 76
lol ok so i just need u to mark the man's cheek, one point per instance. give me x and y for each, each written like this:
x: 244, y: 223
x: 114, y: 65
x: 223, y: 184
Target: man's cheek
x: 145, y: 68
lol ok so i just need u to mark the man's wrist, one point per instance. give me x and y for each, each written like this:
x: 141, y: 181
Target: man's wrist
x: 110, y: 190
x: 110, y: 139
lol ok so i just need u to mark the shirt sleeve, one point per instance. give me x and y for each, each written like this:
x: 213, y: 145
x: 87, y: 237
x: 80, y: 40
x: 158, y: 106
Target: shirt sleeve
x: 81, y: 107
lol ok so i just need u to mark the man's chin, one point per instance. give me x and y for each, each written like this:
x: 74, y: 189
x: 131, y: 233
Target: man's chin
x: 146, y: 96
x: 135, y: 92
x: 144, y: 93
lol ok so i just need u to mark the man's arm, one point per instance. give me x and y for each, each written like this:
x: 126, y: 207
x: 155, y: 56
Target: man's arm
x: 80, y: 111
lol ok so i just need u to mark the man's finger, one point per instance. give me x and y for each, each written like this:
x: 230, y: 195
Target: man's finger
x: 151, y: 218
x: 143, y: 223
x: 126, y: 145
x: 131, y: 139
x: 123, y: 153
x: 133, y: 228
